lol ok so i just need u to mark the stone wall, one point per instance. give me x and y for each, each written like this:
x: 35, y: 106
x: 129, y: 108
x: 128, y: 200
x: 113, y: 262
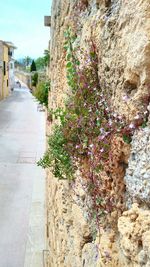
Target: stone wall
x: 24, y: 77
x: 120, y: 30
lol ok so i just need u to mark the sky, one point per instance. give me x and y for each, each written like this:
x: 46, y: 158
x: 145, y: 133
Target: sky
x: 22, y: 22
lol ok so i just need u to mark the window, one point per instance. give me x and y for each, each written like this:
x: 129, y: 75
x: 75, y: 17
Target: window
x: 4, y: 68
x: 10, y: 53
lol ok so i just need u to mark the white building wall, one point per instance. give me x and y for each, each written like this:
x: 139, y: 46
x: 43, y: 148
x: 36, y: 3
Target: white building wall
x: 11, y: 74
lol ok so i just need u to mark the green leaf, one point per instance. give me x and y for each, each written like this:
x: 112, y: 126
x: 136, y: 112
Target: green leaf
x: 69, y: 64
x: 73, y: 38
x: 68, y: 57
x: 144, y: 124
x: 98, y: 123
x: 127, y: 139
x: 66, y: 34
x: 65, y: 47
x: 77, y: 62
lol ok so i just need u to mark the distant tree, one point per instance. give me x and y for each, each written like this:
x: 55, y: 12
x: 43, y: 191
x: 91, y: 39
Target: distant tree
x: 33, y: 66
x: 46, y: 57
x: 40, y: 63
x: 43, y: 62
x: 27, y: 61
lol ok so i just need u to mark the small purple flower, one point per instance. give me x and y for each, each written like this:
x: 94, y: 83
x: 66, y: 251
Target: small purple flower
x: 102, y: 130
x: 107, y: 133
x: 110, y: 122
x: 120, y: 117
x: 101, y: 137
x: 107, y: 255
x: 102, y: 150
x: 131, y: 126
x: 107, y: 109
x: 125, y: 98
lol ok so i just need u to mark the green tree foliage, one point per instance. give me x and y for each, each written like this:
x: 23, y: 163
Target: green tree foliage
x: 33, y: 66
x: 56, y: 157
x: 46, y: 57
x: 42, y: 62
x: 34, y: 79
x: 41, y: 92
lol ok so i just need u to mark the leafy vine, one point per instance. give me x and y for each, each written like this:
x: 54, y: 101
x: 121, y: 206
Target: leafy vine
x: 89, y: 132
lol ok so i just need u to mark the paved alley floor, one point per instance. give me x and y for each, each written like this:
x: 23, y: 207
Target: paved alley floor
x: 22, y: 183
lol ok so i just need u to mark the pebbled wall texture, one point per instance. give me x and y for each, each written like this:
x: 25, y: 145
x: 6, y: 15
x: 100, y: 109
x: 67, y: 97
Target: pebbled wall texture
x: 120, y: 30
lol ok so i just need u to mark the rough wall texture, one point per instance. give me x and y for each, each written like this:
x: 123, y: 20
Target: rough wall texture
x: 120, y: 29
x: 24, y: 77
x: 138, y: 173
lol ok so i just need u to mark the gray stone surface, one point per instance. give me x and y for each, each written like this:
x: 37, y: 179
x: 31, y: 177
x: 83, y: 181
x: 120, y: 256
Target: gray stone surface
x: 90, y: 255
x: 137, y: 176
x: 22, y: 217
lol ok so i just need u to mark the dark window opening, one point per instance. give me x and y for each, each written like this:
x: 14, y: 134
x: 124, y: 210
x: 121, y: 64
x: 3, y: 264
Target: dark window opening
x: 10, y: 53
x: 4, y: 67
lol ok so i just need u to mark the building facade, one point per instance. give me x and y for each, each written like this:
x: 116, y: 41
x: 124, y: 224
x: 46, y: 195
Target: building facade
x: 7, y: 78
x: 1, y: 70
x: 11, y: 64
x: 5, y: 71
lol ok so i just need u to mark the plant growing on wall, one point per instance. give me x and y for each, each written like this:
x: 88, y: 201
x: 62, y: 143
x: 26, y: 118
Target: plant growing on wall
x: 88, y: 127
x: 41, y: 92
x: 56, y: 157
x: 34, y: 79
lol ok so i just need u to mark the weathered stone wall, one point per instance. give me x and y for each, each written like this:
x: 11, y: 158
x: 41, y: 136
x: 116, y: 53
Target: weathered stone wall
x: 24, y: 77
x: 120, y: 30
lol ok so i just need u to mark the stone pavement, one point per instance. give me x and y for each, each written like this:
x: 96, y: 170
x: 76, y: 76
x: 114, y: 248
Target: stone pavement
x: 22, y: 183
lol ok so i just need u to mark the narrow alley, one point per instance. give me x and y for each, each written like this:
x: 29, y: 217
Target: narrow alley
x: 22, y: 182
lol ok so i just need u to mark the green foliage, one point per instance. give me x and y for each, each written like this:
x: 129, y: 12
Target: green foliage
x: 71, y: 64
x: 33, y: 66
x: 144, y: 124
x: 127, y: 139
x: 34, y: 79
x: 46, y: 57
x: 42, y: 62
x: 58, y: 113
x: 41, y: 92
x: 57, y: 157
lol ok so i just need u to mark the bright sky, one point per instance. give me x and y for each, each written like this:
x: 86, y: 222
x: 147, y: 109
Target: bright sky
x: 22, y: 22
